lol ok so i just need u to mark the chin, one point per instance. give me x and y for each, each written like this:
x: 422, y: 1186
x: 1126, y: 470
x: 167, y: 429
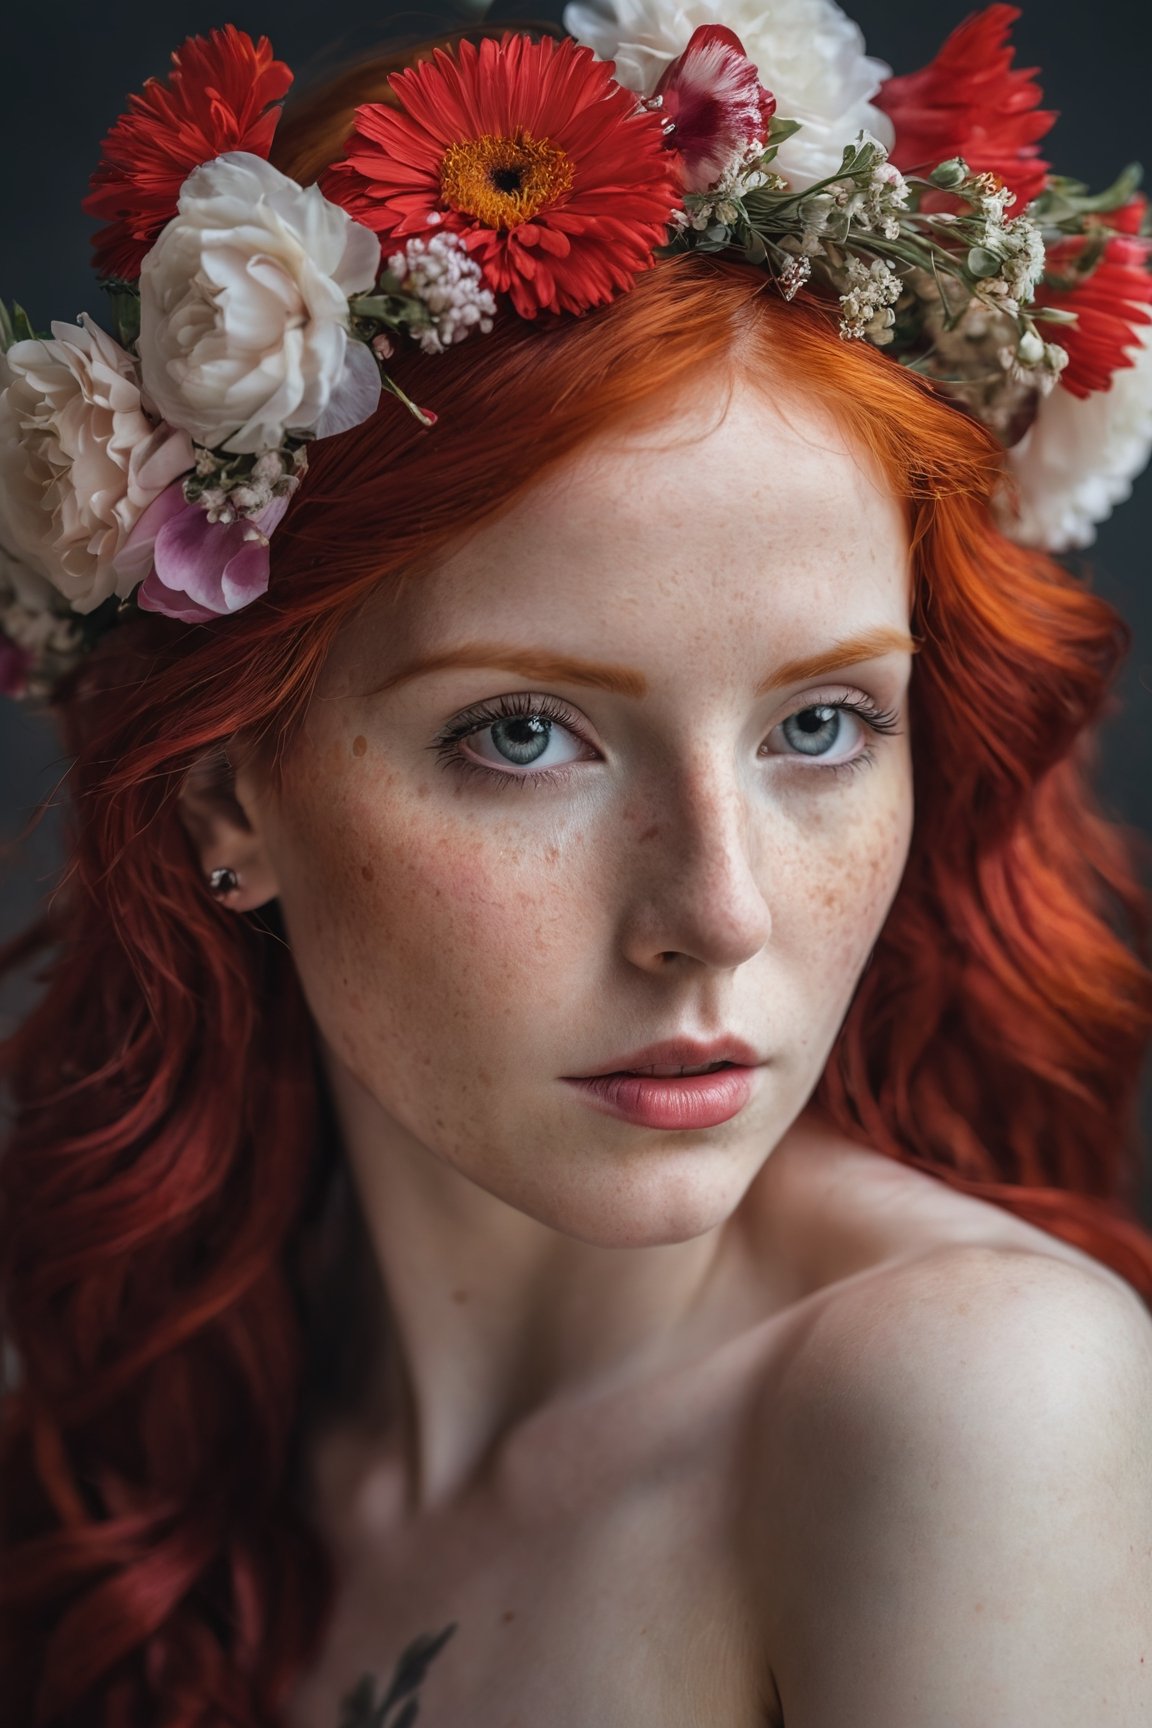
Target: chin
x: 669, y: 1197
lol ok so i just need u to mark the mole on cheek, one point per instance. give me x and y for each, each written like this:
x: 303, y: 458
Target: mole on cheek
x: 367, y: 872
x: 359, y: 746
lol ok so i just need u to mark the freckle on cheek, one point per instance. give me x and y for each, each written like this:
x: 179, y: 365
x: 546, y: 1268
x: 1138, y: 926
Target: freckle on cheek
x: 359, y: 746
x: 367, y: 872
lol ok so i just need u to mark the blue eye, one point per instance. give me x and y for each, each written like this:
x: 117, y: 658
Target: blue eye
x: 814, y: 727
x: 522, y: 728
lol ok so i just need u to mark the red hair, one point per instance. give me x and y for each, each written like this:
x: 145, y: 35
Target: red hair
x: 170, y: 1143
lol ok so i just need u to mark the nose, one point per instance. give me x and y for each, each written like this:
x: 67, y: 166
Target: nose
x: 695, y: 860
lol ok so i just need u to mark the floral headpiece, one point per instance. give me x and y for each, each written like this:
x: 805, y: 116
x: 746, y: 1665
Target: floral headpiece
x: 518, y: 177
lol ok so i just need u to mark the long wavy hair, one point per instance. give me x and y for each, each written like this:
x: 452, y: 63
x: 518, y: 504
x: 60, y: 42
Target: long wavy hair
x: 171, y: 1146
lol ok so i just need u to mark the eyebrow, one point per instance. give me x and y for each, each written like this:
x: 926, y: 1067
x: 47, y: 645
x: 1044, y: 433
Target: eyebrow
x: 548, y: 668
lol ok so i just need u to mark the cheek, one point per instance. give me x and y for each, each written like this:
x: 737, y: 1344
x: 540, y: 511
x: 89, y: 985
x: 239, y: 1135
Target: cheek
x: 382, y: 900
x: 844, y: 874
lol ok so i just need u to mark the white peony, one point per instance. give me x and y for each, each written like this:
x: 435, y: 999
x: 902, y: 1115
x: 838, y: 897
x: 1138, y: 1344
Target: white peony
x: 1080, y: 456
x: 80, y: 458
x: 244, y: 309
x: 808, y: 54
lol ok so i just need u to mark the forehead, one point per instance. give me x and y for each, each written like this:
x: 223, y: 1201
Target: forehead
x: 701, y: 518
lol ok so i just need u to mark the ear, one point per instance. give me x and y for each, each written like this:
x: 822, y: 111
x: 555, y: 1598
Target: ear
x: 224, y: 833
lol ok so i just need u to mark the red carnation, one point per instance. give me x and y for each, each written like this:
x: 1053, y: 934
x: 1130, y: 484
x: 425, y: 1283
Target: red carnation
x: 971, y: 102
x: 217, y: 98
x: 549, y: 170
x: 1111, y: 303
x: 714, y: 97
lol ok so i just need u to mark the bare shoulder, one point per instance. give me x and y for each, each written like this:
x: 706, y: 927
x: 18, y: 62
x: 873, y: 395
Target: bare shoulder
x: 961, y: 1511
x: 984, y: 1299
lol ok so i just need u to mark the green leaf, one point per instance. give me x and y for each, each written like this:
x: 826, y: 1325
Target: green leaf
x: 16, y: 326
x: 386, y: 307
x: 754, y: 248
x: 779, y: 129
x: 125, y: 298
x: 1064, y: 200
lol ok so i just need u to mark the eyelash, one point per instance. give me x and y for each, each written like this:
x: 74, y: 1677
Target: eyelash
x: 475, y: 719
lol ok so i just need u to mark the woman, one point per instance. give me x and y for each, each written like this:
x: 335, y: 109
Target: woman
x: 665, y: 689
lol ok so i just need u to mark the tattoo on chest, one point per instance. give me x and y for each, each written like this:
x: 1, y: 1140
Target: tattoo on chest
x: 361, y: 1708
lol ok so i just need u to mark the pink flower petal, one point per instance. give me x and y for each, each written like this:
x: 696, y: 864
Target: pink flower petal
x: 714, y: 96
x: 134, y: 559
x: 204, y: 570
x: 154, y: 597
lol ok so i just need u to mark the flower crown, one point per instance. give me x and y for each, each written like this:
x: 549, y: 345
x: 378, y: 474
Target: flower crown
x: 521, y: 177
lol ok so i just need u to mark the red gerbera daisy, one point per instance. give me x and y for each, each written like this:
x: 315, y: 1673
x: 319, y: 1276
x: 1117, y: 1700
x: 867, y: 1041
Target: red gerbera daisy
x: 971, y: 102
x: 1129, y: 218
x: 550, y: 171
x: 217, y: 98
x: 1111, y: 302
x: 715, y: 99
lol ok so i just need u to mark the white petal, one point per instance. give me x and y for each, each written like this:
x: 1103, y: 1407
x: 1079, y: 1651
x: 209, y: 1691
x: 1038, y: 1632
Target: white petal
x: 357, y: 394
x: 1080, y: 457
x: 244, y: 308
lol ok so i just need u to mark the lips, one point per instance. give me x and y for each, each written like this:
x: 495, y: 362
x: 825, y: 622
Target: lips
x: 694, y: 1102
x: 676, y: 1073
x: 673, y: 1055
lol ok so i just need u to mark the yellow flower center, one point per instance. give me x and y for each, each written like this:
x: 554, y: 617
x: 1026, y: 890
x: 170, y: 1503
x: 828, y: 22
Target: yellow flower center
x: 503, y: 181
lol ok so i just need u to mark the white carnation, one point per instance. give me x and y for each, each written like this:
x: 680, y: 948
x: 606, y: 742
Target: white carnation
x: 244, y: 309
x: 1080, y: 456
x: 80, y: 458
x: 808, y: 54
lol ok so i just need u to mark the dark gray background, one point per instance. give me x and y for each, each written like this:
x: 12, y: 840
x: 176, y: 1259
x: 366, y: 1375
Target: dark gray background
x: 61, y: 95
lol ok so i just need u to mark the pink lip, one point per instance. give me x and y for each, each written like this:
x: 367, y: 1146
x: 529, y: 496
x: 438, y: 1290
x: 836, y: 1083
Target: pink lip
x: 691, y: 1101
x: 681, y: 1053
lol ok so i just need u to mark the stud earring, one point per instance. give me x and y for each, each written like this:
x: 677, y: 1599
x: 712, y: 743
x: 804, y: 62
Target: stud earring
x: 223, y: 880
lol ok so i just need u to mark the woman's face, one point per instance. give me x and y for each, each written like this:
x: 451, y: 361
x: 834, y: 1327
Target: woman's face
x: 684, y: 832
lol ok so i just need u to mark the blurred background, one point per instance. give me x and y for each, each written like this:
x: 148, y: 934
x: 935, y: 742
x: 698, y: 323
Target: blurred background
x: 62, y: 92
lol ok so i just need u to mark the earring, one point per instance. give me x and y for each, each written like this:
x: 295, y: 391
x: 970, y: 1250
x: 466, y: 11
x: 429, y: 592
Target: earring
x: 223, y: 880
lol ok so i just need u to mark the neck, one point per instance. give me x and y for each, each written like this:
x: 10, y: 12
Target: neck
x: 470, y: 1317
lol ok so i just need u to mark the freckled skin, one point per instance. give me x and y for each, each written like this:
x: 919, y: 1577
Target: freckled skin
x: 464, y: 945
x: 547, y: 1272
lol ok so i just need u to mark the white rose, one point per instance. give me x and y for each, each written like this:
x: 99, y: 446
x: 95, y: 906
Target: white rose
x: 244, y: 309
x: 80, y: 458
x: 807, y: 53
x: 1080, y: 456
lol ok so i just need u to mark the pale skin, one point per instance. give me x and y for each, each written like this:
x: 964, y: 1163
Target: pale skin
x: 620, y: 1357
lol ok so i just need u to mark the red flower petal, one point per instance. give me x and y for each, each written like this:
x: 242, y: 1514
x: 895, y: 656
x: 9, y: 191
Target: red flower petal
x: 1129, y: 219
x: 971, y: 102
x: 513, y: 135
x: 1111, y: 303
x: 714, y: 96
x: 217, y: 98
